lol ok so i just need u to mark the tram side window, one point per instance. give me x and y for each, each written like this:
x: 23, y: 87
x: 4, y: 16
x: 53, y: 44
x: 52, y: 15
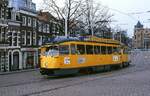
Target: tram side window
x: 81, y: 49
x: 64, y: 49
x: 103, y: 49
x: 109, y: 50
x: 97, y: 49
x: 125, y: 51
x: 115, y: 50
x: 73, y: 49
x: 89, y: 49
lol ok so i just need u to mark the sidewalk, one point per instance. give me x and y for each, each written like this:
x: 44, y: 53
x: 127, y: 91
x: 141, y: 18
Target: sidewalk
x: 18, y: 71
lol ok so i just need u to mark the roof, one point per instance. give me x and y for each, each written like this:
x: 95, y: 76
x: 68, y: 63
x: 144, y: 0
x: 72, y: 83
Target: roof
x: 60, y: 39
x: 138, y: 25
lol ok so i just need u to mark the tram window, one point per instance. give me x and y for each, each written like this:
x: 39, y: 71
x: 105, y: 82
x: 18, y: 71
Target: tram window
x: 109, y: 50
x: 97, y: 49
x: 103, y: 49
x: 52, y: 50
x: 64, y: 49
x: 73, y: 49
x: 115, y: 50
x: 81, y: 49
x: 125, y: 51
x: 89, y: 49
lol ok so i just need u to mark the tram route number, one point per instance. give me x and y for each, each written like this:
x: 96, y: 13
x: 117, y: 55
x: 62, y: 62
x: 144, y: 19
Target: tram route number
x: 115, y: 58
x: 66, y: 60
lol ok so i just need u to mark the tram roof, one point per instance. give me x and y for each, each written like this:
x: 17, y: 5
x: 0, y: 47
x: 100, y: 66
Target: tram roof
x: 61, y: 39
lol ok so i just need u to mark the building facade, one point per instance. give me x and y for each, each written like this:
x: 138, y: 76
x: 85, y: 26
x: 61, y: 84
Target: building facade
x: 141, y: 39
x: 23, y: 52
x: 22, y: 31
x: 18, y: 35
x: 3, y: 35
x: 47, y: 27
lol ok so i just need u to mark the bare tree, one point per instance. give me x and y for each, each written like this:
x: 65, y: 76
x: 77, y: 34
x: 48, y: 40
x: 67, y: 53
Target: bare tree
x: 96, y: 17
x: 68, y: 10
x: 79, y: 14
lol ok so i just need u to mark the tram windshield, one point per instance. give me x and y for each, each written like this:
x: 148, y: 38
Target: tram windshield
x: 52, y: 51
x: 55, y: 50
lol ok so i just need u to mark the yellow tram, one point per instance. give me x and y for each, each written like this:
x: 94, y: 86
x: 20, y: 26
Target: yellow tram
x: 71, y: 56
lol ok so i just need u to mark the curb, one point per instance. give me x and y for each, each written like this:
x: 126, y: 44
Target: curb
x: 19, y: 71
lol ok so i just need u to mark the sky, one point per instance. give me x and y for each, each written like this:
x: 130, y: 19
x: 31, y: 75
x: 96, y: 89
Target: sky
x: 126, y: 13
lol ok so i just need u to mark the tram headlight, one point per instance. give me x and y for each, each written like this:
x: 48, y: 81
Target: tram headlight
x: 46, y: 64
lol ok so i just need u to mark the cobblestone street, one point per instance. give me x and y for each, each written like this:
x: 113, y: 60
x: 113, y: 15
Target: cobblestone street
x: 131, y: 81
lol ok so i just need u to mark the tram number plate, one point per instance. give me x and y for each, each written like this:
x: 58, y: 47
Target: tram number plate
x: 115, y: 58
x: 66, y: 60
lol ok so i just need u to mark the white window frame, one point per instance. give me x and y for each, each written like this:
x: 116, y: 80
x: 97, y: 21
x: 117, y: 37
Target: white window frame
x: 47, y: 28
x: 39, y: 26
x: 29, y: 21
x: 44, y: 28
x: 24, y: 40
x: 34, y: 37
x: 24, y: 20
x: 34, y: 23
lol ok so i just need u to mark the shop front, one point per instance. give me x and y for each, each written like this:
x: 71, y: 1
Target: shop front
x: 14, y: 59
x: 30, y: 58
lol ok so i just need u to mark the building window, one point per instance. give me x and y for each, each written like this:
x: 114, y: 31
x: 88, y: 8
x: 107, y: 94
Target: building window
x: 34, y: 37
x: 18, y: 38
x: 23, y: 20
x: 40, y: 26
x: 29, y: 21
x: 40, y: 40
x: 43, y: 39
x: 47, y: 28
x: 2, y: 13
x: 23, y: 37
x: 44, y: 28
x: 2, y: 34
x: 34, y: 23
x: 29, y: 37
x: 13, y: 38
x: 53, y: 28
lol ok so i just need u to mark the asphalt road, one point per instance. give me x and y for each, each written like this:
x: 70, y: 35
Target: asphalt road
x: 131, y: 81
